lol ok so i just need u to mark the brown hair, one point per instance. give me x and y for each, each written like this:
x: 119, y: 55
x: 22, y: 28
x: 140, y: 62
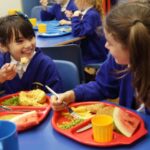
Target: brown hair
x: 97, y: 4
x: 13, y: 26
x: 129, y: 24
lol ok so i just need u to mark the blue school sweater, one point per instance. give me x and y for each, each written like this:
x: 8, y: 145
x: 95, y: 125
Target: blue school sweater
x: 93, y: 50
x: 40, y: 69
x: 107, y: 84
x: 54, y: 12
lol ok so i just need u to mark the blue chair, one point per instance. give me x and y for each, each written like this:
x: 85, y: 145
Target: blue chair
x: 71, y: 52
x: 69, y: 74
x: 35, y: 12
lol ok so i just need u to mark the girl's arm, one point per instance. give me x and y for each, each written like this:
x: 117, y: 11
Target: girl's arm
x: 85, y: 26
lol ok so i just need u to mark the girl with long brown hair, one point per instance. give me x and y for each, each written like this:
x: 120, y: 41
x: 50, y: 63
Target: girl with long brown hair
x: 127, y: 31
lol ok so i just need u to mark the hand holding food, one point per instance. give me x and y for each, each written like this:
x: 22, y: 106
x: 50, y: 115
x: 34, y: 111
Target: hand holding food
x: 64, y: 22
x: 57, y: 104
x: 77, y: 13
x: 68, y: 13
x: 7, y: 72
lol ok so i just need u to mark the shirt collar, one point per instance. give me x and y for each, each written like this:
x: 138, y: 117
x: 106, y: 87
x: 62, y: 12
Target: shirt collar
x: 85, y: 11
x: 24, y: 66
x: 63, y: 8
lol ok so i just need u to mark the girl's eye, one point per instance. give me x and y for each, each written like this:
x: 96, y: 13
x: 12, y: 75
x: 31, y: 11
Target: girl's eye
x: 19, y: 41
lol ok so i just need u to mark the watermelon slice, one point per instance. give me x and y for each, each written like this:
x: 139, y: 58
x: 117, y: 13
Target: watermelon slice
x: 125, y: 122
x: 26, y: 120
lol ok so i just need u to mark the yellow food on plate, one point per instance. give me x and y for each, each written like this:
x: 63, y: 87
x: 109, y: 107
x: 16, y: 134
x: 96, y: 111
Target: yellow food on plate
x: 106, y: 110
x: 24, y: 60
x: 99, y: 108
x: 93, y: 108
x: 32, y: 98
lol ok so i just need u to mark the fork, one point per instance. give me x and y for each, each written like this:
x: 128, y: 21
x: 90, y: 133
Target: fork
x: 72, y: 113
x: 5, y: 108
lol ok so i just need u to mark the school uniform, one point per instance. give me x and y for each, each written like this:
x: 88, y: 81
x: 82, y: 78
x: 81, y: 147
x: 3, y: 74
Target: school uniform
x: 107, y: 84
x: 93, y: 50
x: 57, y: 12
x: 41, y: 69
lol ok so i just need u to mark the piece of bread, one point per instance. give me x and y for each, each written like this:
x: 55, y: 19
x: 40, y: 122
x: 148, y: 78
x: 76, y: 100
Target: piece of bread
x: 24, y: 60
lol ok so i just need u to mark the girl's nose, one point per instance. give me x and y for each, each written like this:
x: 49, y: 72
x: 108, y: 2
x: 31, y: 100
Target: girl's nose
x: 106, y: 45
x: 27, y: 44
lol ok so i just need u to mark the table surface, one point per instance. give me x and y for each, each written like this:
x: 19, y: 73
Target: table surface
x: 56, y: 41
x: 44, y: 137
x: 53, y: 25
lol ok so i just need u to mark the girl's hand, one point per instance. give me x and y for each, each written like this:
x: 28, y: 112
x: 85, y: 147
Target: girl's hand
x: 44, y: 3
x: 7, y: 72
x: 57, y: 104
x: 77, y: 13
x: 64, y: 22
x: 68, y: 13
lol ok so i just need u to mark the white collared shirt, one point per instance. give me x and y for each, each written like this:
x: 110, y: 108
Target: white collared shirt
x: 85, y: 11
x: 21, y: 68
x: 63, y: 8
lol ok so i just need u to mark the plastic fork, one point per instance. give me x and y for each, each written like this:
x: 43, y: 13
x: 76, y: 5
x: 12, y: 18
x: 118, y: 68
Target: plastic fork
x: 72, y: 113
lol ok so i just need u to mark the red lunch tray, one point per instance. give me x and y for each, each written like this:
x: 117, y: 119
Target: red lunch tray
x: 118, y: 139
x: 42, y: 111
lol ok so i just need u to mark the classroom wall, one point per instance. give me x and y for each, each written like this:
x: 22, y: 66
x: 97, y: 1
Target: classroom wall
x: 5, y: 5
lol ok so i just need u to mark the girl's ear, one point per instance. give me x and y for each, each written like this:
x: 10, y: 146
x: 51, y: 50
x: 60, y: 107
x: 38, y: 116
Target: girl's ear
x: 3, y: 48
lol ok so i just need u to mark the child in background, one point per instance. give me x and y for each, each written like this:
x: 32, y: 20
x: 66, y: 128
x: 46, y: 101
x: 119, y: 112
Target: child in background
x: 17, y: 43
x: 125, y: 73
x: 58, y: 11
x: 86, y: 22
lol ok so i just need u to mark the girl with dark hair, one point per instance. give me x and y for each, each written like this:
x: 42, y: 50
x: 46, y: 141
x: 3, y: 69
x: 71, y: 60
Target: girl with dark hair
x: 21, y: 63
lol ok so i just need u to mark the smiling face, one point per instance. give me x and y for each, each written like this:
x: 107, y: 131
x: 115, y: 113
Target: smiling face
x: 21, y: 47
x: 116, y: 49
x: 17, y: 37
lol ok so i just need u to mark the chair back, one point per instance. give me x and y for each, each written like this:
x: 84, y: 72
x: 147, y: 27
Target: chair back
x: 71, y: 52
x: 69, y: 74
x: 36, y: 12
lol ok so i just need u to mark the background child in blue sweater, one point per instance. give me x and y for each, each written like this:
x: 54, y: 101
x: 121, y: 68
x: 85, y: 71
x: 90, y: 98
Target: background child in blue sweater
x: 58, y: 11
x: 85, y: 22
x: 125, y: 74
x: 17, y: 42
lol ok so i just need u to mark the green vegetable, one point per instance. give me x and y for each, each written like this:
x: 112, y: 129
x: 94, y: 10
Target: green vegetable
x: 68, y: 125
x: 14, y: 101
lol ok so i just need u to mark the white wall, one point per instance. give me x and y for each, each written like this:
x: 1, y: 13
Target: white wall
x: 5, y: 5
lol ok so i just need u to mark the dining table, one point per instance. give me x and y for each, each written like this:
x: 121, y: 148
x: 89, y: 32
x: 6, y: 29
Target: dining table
x: 55, y: 35
x: 45, y: 137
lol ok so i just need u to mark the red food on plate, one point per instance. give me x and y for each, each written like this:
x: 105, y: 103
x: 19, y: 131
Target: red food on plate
x: 26, y: 120
x: 125, y: 122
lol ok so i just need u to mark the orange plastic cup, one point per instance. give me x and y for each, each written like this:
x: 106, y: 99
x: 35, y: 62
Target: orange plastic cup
x: 42, y: 28
x: 33, y: 21
x: 102, y: 126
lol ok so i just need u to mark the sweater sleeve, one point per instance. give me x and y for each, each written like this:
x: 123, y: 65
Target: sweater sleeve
x: 87, y: 25
x: 106, y: 84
